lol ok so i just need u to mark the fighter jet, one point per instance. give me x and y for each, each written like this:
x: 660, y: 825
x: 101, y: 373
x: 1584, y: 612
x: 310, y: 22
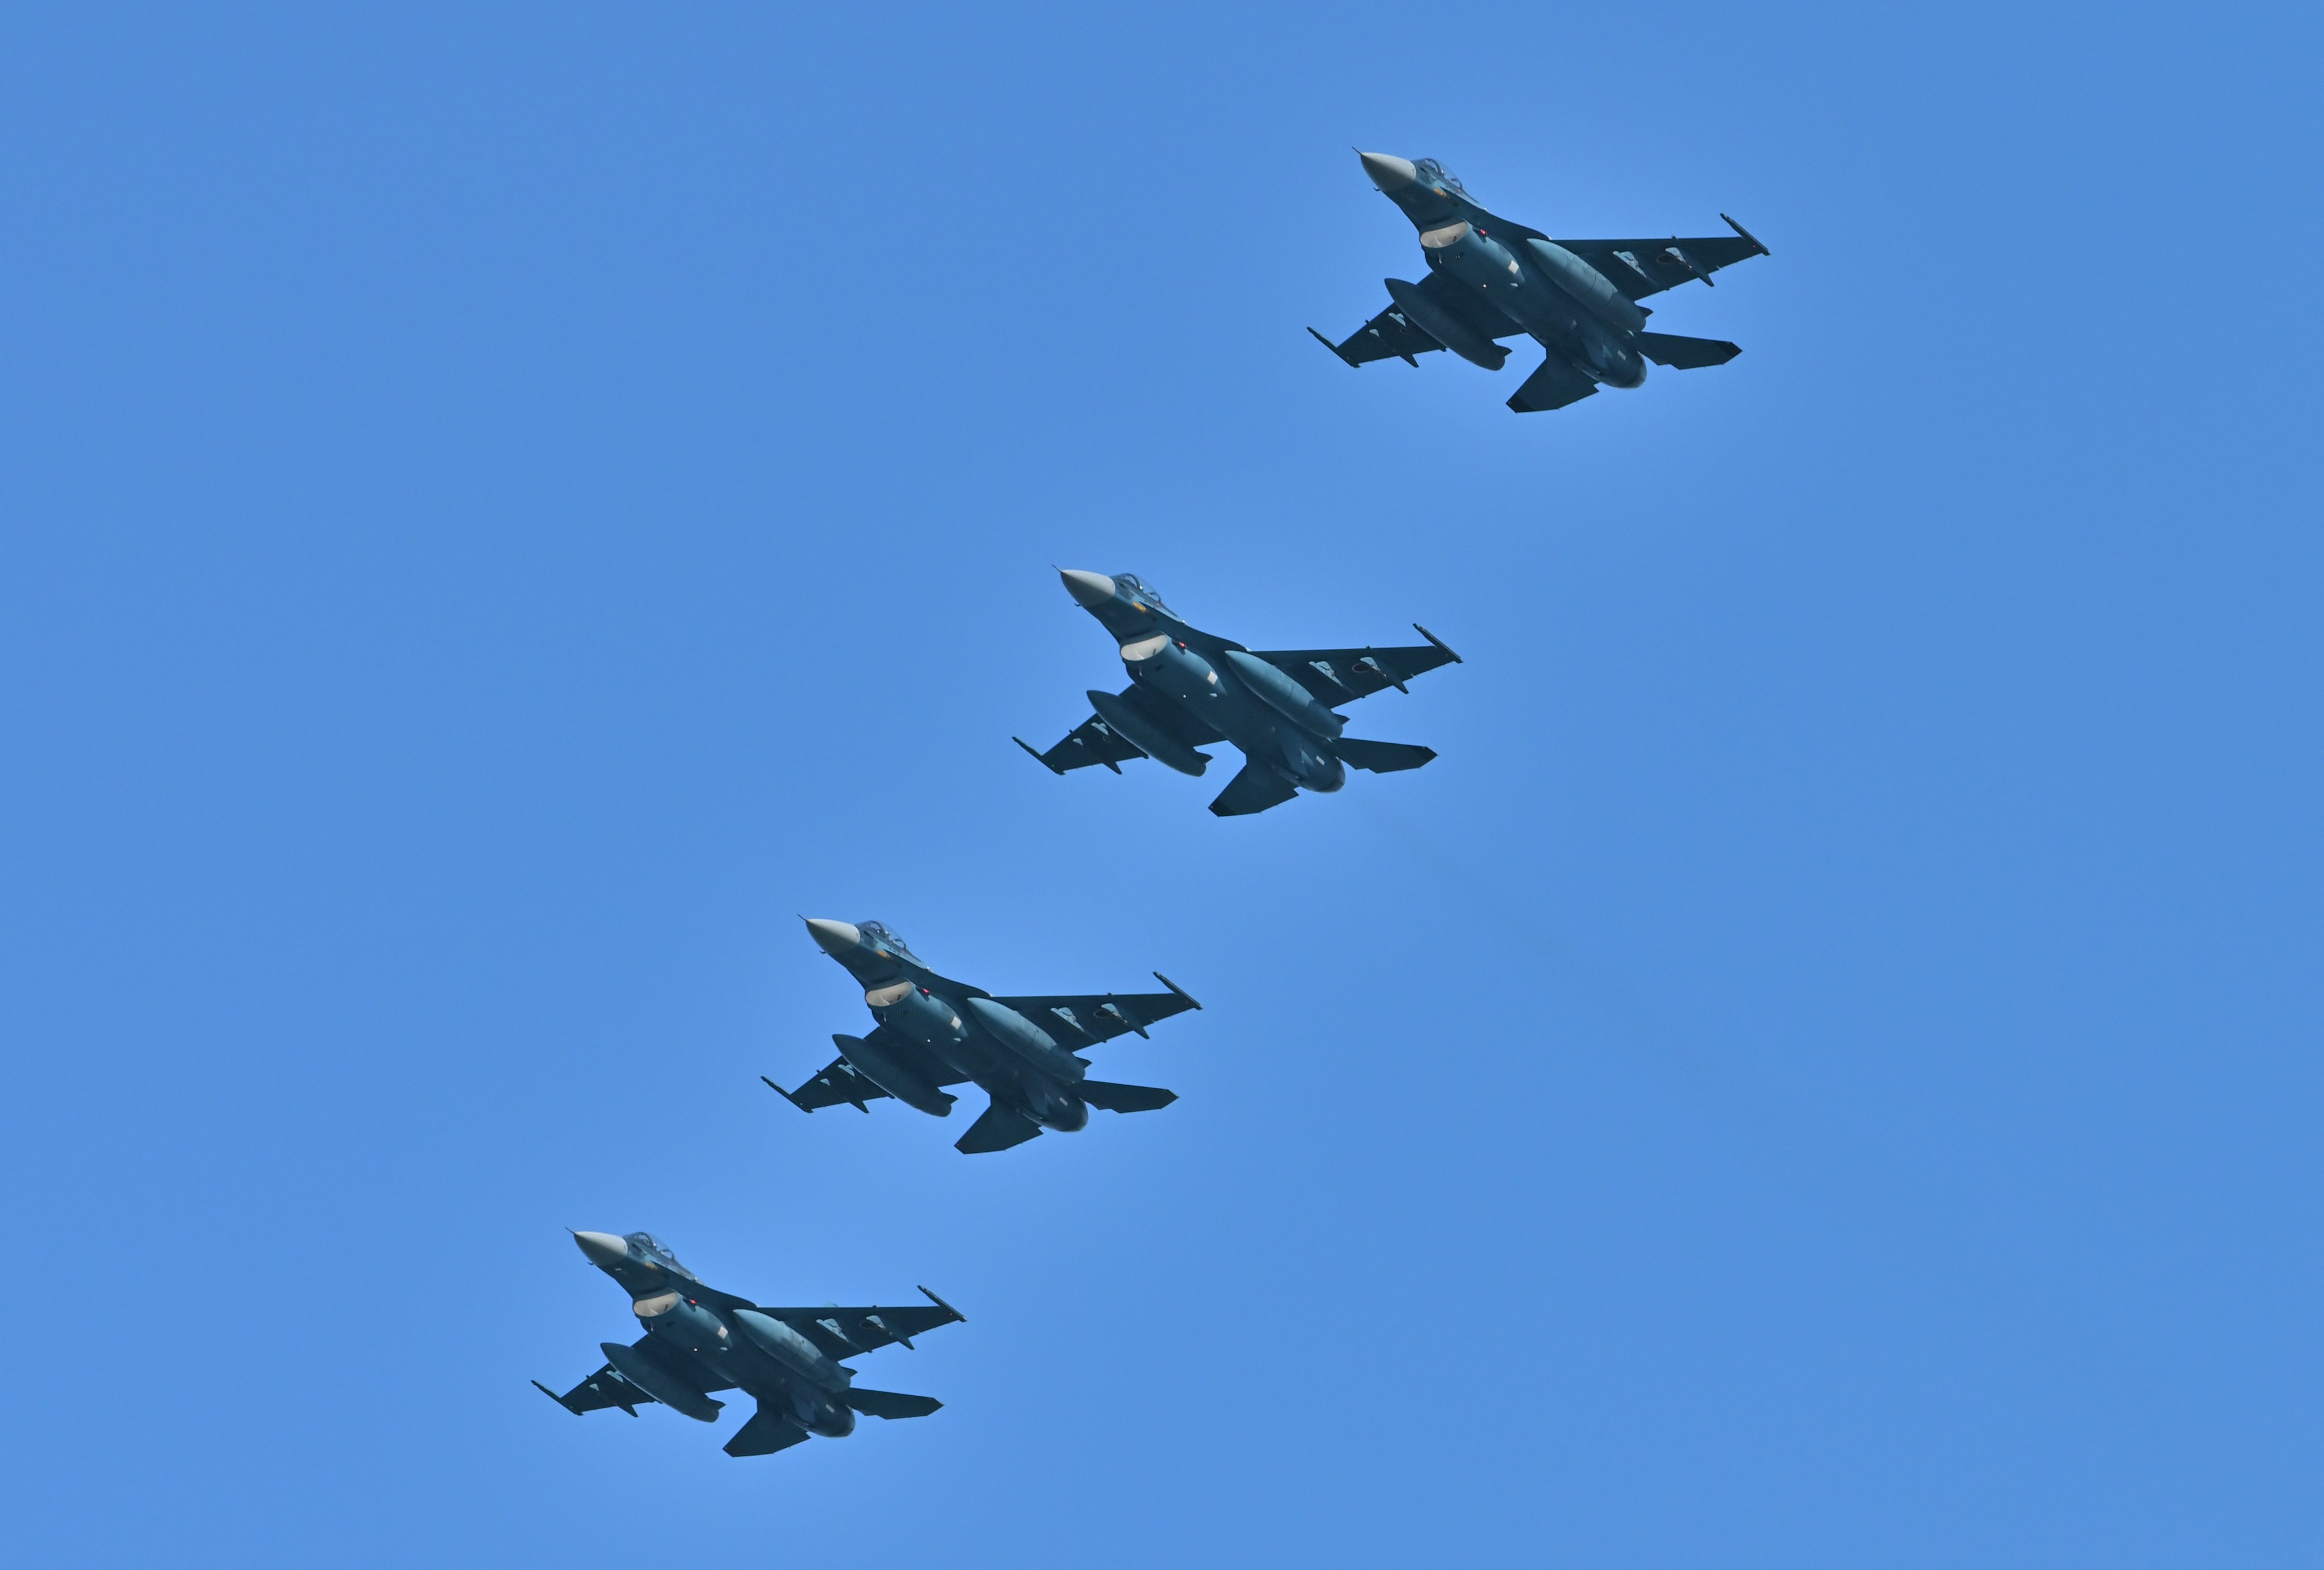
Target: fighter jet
x: 1490, y: 278
x: 935, y: 1032
x: 1188, y: 688
x: 698, y: 1339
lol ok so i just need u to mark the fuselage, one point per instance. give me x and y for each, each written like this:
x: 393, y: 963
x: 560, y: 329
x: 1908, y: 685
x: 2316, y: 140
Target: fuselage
x: 716, y: 1340
x: 1522, y: 276
x: 1220, y: 694
x: 1512, y: 279
x: 1262, y: 713
x: 729, y: 1347
x: 1012, y: 1058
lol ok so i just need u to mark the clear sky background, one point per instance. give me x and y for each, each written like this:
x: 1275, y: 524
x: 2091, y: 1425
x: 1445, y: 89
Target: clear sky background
x: 508, y: 508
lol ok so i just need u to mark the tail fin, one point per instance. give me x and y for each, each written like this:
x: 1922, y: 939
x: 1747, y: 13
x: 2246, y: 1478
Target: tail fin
x: 1686, y: 354
x: 999, y: 1128
x: 1555, y: 383
x: 1255, y: 789
x: 888, y: 1403
x: 1125, y: 1098
x: 765, y: 1433
x: 1382, y: 757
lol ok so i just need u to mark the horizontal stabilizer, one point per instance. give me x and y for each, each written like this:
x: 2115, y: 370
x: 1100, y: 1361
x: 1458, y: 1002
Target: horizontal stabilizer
x: 1125, y: 1098
x: 1382, y: 757
x: 1683, y: 354
x: 999, y: 1128
x: 888, y: 1403
x: 765, y: 1433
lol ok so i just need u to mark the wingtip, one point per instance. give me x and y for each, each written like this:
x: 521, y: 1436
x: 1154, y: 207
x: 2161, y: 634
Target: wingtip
x: 1035, y: 756
x: 1758, y: 244
x: 957, y: 1317
x: 552, y: 1395
x: 1440, y: 643
x: 1328, y: 344
x: 1174, y: 987
x: 786, y: 1095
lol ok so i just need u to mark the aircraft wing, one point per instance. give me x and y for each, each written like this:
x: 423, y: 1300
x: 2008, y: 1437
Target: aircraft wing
x: 1505, y: 229
x: 604, y: 1388
x: 1078, y: 1020
x: 1388, y: 337
x: 840, y: 1085
x: 1642, y: 267
x: 845, y: 1332
x: 1338, y: 676
x: 1092, y: 742
x: 607, y: 1388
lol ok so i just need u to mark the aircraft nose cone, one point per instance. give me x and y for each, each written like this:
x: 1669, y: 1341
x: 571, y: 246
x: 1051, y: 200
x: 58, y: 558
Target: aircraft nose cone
x: 603, y: 1247
x: 1090, y: 589
x: 1388, y: 172
x: 834, y: 937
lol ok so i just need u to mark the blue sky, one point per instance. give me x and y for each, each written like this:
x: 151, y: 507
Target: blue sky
x: 509, y: 507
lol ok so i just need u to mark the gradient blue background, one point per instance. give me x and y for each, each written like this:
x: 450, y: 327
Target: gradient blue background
x: 507, y: 508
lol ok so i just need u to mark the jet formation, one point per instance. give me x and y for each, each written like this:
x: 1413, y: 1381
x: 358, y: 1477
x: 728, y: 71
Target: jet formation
x: 1189, y: 688
x: 1491, y: 277
x: 933, y: 1032
x: 698, y: 1339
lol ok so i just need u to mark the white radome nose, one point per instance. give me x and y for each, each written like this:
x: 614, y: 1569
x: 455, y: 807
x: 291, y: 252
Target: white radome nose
x: 1388, y: 172
x: 603, y: 1247
x: 1088, y: 589
x: 834, y: 937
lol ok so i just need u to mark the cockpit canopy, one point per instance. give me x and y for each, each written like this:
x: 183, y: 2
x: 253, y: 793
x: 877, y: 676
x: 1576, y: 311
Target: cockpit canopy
x: 877, y: 933
x: 658, y: 1249
x: 1141, y: 590
x: 1432, y: 172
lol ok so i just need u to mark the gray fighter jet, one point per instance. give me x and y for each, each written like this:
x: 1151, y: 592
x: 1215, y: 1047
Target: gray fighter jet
x: 1490, y: 278
x: 935, y: 1032
x: 1188, y: 688
x: 698, y: 1339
